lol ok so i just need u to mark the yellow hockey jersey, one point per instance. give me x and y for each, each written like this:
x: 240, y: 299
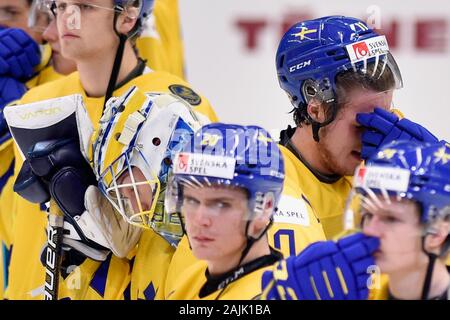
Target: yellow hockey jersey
x: 327, y: 198
x: 26, y: 274
x: 150, y: 267
x: 160, y: 45
x: 247, y: 287
x: 47, y: 74
x: 161, y: 42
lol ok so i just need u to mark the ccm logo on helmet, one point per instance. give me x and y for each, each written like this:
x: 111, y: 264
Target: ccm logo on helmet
x: 300, y: 65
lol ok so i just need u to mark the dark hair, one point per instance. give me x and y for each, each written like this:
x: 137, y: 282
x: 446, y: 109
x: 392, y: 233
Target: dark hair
x: 346, y: 81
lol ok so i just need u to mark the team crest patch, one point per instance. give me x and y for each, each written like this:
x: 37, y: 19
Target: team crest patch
x: 186, y: 93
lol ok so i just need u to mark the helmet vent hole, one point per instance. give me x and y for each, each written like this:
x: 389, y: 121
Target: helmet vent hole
x: 120, y: 108
x: 283, y: 79
x: 156, y: 141
x: 342, y: 57
x: 167, y: 161
x: 311, y: 91
x: 281, y: 61
x: 364, y: 32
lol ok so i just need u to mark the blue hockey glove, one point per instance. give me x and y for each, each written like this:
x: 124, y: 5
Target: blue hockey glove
x: 382, y: 127
x: 19, y: 54
x: 325, y: 270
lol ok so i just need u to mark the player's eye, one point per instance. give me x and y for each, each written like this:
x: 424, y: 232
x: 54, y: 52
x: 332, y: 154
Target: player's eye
x: 221, y: 205
x: 366, y: 217
x: 390, y: 219
x: 189, y: 201
x: 61, y: 6
x: 86, y: 7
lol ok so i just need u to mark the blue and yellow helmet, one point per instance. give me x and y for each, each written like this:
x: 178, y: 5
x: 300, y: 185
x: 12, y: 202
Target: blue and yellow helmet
x: 312, y: 53
x: 231, y: 156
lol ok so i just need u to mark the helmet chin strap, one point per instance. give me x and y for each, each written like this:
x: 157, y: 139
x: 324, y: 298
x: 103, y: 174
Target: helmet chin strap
x: 117, y: 60
x: 251, y: 240
x: 315, y: 126
x: 429, y: 275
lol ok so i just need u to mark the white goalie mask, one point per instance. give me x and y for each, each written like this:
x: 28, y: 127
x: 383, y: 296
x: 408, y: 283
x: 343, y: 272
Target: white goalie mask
x: 132, y: 154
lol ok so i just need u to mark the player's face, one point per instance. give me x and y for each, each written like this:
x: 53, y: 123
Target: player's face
x: 60, y: 64
x: 340, y: 141
x: 215, y: 224
x: 86, y: 29
x: 14, y: 14
x: 140, y: 196
x: 397, y: 225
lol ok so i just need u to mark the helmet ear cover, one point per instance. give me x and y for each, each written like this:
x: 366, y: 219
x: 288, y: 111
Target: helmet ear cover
x: 133, y: 10
x: 322, y: 95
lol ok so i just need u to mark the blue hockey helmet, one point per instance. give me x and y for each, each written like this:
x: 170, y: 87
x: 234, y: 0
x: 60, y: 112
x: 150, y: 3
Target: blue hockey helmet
x: 229, y: 155
x: 419, y: 172
x: 408, y: 170
x: 313, y: 53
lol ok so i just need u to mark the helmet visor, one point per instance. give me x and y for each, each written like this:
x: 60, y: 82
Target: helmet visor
x: 371, y: 67
x: 381, y: 192
x: 77, y: 10
x: 372, y: 59
x: 40, y: 15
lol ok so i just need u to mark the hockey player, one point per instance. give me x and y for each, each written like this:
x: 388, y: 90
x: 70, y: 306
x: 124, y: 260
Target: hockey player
x: 403, y: 199
x: 20, y: 63
x: 133, y: 173
x: 159, y: 44
x: 227, y: 193
x: 94, y: 56
x: 334, y: 68
x: 295, y: 226
x: 400, y: 198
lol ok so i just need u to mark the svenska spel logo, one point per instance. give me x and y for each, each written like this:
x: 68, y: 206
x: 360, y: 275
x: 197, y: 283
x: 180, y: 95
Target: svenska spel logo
x: 360, y: 177
x: 361, y: 50
x: 183, y: 162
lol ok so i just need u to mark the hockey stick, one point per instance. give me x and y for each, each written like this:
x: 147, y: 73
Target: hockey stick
x: 54, y: 251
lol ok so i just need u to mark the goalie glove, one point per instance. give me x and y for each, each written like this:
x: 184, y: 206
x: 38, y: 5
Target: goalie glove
x: 382, y: 127
x: 61, y: 159
x: 325, y: 270
x: 99, y: 230
x: 102, y: 224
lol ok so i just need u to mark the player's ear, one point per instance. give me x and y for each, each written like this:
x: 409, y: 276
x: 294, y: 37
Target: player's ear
x: 262, y: 219
x: 316, y: 110
x: 437, y: 234
x: 127, y: 20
